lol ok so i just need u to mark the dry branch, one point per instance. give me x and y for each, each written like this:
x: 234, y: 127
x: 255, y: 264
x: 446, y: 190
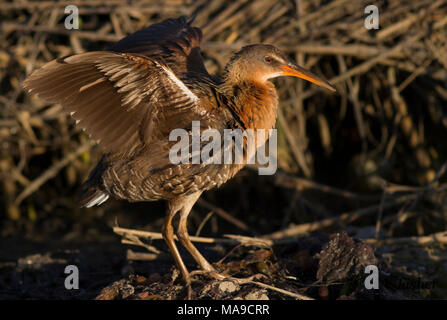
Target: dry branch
x: 51, y: 172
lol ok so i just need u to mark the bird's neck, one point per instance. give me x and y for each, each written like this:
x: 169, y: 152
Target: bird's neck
x: 254, y: 102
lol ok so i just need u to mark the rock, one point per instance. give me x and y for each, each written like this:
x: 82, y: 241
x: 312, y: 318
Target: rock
x: 344, y: 258
x: 257, y: 295
x: 228, y: 286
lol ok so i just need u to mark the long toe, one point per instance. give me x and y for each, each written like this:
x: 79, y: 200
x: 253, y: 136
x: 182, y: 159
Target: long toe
x: 219, y: 276
x: 189, y: 291
x: 210, y: 274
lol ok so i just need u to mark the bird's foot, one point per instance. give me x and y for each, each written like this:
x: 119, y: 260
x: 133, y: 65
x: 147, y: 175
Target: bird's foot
x: 248, y: 279
x: 218, y: 276
x: 211, y: 274
x: 186, y: 278
x: 189, y: 291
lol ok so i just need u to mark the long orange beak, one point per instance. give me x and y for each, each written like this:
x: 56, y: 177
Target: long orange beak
x: 296, y: 71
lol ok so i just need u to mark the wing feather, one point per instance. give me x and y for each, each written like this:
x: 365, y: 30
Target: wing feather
x: 174, y: 41
x: 117, y: 98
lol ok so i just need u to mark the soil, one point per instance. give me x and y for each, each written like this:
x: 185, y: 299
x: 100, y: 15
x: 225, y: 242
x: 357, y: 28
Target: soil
x: 319, y: 266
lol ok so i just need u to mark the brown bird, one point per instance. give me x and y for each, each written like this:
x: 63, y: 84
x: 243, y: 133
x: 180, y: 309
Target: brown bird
x: 132, y: 96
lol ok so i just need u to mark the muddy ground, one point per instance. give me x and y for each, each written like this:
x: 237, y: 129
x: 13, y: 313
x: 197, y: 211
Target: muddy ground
x: 319, y: 265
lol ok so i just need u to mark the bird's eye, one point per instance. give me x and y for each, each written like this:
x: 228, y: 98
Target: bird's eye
x: 268, y: 59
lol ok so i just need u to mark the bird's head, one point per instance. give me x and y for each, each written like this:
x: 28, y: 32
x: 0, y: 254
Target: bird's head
x: 260, y: 62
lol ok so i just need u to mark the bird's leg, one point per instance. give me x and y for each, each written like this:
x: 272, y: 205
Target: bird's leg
x: 168, y: 235
x: 182, y: 233
x: 186, y: 204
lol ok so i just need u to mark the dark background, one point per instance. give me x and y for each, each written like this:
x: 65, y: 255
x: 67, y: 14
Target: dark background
x: 378, y: 145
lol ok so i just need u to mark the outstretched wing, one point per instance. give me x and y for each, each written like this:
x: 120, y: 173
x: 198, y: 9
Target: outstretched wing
x: 173, y: 40
x: 121, y: 100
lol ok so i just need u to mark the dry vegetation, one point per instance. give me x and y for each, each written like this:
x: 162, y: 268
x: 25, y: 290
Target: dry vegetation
x: 369, y: 160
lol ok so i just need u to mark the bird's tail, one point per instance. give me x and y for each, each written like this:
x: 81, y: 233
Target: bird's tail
x: 92, y: 193
x: 91, y: 196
